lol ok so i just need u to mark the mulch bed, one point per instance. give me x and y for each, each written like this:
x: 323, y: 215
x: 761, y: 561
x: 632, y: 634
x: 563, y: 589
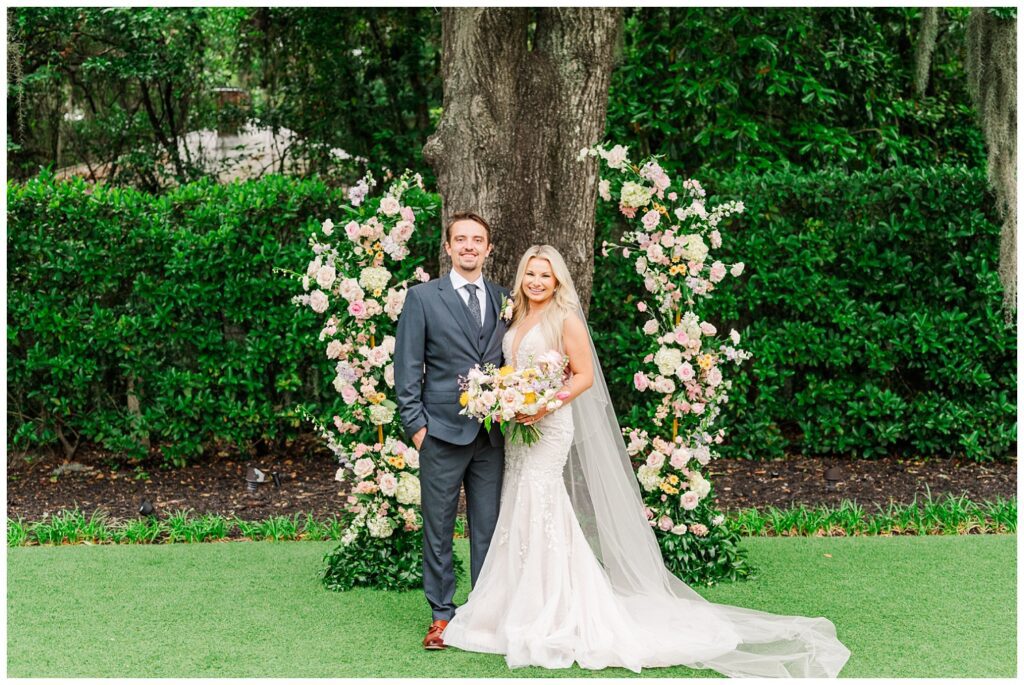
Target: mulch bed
x: 306, y: 472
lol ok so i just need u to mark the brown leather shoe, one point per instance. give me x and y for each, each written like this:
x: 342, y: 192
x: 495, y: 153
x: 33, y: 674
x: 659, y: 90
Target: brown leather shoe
x: 433, y: 639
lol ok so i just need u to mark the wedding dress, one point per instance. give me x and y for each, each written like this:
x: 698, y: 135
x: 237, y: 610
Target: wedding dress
x: 567, y: 577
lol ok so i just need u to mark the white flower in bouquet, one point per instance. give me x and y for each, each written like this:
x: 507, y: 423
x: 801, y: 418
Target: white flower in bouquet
x: 388, y: 484
x: 339, y: 475
x: 689, y: 500
x: 718, y: 520
x: 352, y: 231
x: 394, y: 303
x: 604, y: 189
x: 363, y: 467
x: 350, y: 290
x: 402, y: 232
x: 325, y: 276
x: 389, y: 206
x: 691, y: 247
x: 318, y: 301
x: 680, y: 458
x: 327, y: 227
x: 314, y: 266
x: 374, y: 278
x: 679, y: 529
x: 381, y: 414
x: 350, y: 535
x: 380, y: 527
x: 616, y: 157
x: 648, y: 477
x: 655, y: 459
x: 699, y: 484
x: 334, y: 349
x: 408, y: 490
x: 412, y: 458
x: 389, y: 375
x: 634, y: 195
x: 714, y: 377
x: 668, y: 359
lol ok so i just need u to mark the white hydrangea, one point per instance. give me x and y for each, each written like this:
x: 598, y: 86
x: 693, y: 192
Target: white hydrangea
x: 699, y: 484
x: 408, y: 489
x: 634, y: 195
x: 648, y: 477
x: 668, y: 360
x: 380, y: 527
x: 691, y: 247
x: 374, y: 278
x: 381, y: 415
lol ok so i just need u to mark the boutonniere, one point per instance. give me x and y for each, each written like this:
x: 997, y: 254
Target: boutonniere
x: 506, y: 308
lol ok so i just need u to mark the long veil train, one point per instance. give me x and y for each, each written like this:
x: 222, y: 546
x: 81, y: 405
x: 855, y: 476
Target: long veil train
x: 606, y: 499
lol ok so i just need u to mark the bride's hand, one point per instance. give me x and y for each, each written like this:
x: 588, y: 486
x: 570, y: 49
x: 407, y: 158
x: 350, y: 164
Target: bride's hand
x: 527, y: 419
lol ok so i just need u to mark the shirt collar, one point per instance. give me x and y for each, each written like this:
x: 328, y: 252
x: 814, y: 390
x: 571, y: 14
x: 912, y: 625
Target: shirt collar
x: 458, y: 280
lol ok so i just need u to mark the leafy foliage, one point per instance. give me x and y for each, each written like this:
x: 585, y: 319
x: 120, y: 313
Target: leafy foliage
x: 753, y: 88
x: 116, y: 86
x: 747, y: 88
x: 394, y: 563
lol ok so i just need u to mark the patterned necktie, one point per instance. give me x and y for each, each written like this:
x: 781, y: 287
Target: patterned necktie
x: 474, y: 306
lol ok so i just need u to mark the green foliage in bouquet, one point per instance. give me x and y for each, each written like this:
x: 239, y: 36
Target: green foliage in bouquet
x: 394, y: 563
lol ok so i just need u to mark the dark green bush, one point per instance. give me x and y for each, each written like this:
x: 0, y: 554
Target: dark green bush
x: 870, y: 302
x: 114, y: 293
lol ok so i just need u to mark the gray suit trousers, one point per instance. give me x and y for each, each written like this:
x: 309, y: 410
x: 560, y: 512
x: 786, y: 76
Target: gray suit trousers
x: 443, y: 468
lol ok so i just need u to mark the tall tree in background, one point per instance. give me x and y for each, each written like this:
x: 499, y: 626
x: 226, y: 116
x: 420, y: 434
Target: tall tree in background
x: 992, y: 78
x: 524, y: 90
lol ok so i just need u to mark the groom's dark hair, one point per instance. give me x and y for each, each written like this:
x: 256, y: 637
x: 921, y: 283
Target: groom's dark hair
x: 462, y: 216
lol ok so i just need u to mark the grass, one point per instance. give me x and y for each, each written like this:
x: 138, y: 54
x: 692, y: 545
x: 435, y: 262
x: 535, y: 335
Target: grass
x: 935, y: 606
x: 949, y: 516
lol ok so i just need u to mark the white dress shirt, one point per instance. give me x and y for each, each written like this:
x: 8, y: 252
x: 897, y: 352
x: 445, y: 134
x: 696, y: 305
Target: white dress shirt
x: 481, y: 292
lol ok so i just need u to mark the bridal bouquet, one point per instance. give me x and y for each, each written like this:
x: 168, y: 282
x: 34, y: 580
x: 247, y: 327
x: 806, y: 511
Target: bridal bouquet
x: 498, y: 394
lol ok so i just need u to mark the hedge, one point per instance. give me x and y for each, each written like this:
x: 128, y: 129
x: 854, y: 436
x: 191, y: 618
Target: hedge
x: 870, y: 302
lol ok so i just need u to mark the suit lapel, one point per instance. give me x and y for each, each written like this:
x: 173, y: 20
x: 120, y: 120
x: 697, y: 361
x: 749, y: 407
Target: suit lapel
x: 494, y: 297
x: 457, y: 307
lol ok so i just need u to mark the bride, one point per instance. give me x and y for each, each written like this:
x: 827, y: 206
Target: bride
x: 574, y: 573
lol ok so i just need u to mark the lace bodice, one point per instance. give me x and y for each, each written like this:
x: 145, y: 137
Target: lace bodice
x: 530, y: 345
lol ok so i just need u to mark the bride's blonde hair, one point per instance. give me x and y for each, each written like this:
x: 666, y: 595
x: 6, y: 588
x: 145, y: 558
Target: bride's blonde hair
x: 563, y: 303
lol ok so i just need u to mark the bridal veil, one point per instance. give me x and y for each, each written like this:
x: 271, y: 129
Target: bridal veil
x: 607, y: 502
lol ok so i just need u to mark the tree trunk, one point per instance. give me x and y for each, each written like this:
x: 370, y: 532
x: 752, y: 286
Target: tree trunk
x: 992, y: 79
x: 924, y: 48
x: 524, y: 90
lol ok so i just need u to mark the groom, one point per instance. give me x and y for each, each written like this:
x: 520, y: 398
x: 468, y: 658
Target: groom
x: 448, y: 326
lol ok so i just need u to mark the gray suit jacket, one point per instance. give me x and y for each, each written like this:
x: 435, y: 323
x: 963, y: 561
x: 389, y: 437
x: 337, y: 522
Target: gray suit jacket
x: 435, y: 345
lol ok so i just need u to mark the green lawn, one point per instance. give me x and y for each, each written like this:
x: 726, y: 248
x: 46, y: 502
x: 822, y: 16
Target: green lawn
x: 933, y: 606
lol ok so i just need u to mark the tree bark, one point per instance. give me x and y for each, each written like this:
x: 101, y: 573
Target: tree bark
x: 992, y: 80
x: 926, y: 36
x: 524, y: 90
